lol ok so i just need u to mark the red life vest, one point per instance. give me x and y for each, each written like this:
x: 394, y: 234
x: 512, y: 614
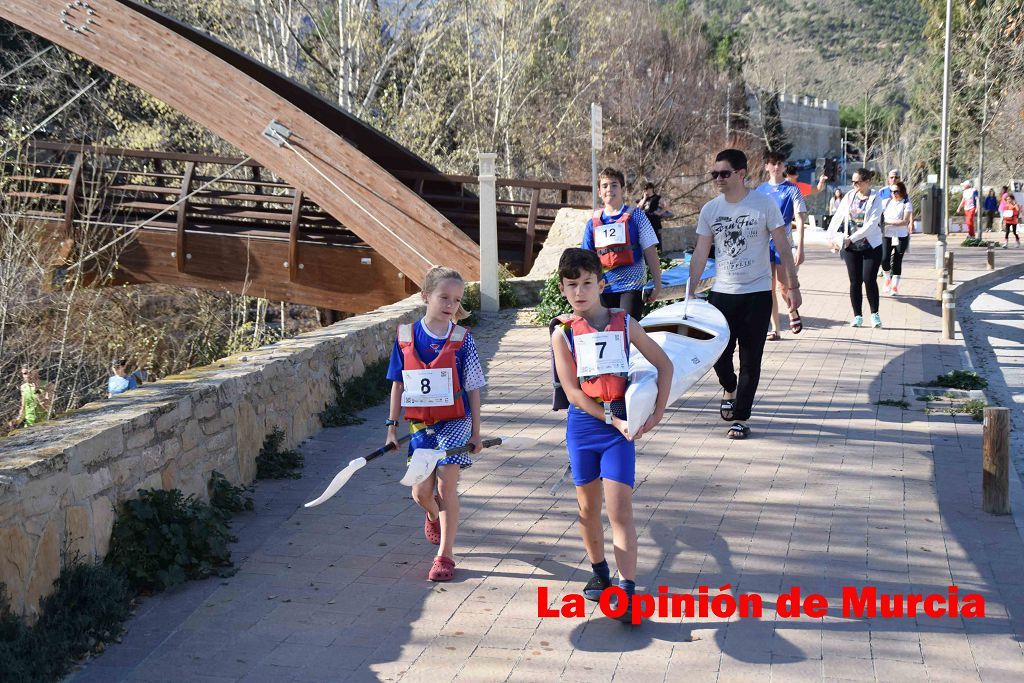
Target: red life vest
x: 614, y: 255
x: 603, y: 388
x: 445, y: 359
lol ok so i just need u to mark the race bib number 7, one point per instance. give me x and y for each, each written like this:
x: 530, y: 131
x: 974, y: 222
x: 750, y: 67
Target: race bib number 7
x: 600, y: 353
x: 427, y: 388
x: 609, y: 235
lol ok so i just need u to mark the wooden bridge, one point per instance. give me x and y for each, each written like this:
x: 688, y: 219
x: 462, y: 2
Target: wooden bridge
x: 365, y: 209
x: 249, y: 232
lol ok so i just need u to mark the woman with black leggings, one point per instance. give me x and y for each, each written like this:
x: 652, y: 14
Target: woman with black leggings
x: 898, y: 221
x: 856, y: 230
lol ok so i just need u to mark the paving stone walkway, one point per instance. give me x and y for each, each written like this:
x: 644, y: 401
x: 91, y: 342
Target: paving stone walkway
x: 832, y: 490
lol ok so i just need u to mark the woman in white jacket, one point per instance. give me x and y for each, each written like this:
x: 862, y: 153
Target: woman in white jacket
x: 856, y: 230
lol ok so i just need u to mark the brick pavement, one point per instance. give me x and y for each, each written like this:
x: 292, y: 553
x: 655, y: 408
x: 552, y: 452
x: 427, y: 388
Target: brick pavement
x: 830, y: 491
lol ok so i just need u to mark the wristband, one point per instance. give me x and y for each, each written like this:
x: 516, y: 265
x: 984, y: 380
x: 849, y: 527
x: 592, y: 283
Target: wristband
x: 390, y: 423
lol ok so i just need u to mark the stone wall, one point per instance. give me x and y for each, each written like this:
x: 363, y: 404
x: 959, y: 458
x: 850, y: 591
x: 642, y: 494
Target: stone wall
x: 61, y: 482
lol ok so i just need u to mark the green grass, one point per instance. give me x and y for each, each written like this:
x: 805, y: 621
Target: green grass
x: 959, y: 379
x: 893, y: 403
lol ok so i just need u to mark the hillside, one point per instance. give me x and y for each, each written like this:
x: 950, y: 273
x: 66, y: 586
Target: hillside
x: 836, y: 49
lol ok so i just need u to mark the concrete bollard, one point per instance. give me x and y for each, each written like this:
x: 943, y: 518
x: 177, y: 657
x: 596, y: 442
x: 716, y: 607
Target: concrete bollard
x: 940, y: 250
x: 990, y: 256
x: 995, y: 475
x: 948, y: 315
x: 940, y: 285
x: 949, y: 269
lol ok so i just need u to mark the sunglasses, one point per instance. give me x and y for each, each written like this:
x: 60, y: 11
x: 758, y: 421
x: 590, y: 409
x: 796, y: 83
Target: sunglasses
x: 715, y: 175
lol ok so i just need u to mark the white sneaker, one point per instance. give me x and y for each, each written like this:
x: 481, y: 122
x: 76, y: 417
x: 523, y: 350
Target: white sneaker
x: 876, y: 320
x: 858, y: 321
x: 888, y: 286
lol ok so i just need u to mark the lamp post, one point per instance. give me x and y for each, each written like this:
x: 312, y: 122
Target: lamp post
x: 944, y: 158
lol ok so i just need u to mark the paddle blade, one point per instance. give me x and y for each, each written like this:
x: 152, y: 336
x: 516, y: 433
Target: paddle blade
x: 421, y: 464
x: 340, y: 479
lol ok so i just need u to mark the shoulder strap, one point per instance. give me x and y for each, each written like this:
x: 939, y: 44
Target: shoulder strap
x: 405, y: 333
x: 595, y: 219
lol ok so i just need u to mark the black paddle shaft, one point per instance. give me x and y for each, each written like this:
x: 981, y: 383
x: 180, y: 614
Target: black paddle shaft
x: 387, y: 448
x: 486, y: 443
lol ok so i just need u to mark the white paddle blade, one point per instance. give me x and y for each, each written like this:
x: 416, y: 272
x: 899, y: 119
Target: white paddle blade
x: 340, y: 479
x: 421, y: 464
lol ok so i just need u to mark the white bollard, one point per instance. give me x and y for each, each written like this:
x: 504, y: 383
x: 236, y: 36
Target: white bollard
x: 488, y: 233
x: 940, y: 253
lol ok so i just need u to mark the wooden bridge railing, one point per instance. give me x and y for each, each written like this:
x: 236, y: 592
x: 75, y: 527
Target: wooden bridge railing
x: 138, y: 185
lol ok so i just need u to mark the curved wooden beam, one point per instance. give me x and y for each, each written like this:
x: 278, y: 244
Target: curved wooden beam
x: 236, y: 97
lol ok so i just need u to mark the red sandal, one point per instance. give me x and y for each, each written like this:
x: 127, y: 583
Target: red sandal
x: 432, y: 530
x: 443, y: 569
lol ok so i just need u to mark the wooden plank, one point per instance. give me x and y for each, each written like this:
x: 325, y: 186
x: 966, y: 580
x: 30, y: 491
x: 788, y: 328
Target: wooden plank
x: 182, y: 216
x: 71, y: 195
x: 531, y: 231
x: 293, y: 238
x: 333, y: 277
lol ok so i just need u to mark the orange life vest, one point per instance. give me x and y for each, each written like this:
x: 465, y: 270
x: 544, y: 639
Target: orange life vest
x: 614, y: 255
x: 445, y: 359
x: 603, y: 388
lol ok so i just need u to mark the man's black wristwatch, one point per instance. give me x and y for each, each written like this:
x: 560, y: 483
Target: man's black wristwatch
x: 390, y: 423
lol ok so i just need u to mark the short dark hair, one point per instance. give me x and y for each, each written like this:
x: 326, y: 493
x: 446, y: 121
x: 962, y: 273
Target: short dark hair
x: 612, y: 174
x: 734, y: 157
x: 574, y: 261
x: 774, y: 157
x: 864, y: 173
x: 118, y: 362
x: 901, y: 189
x: 791, y: 169
x: 649, y: 186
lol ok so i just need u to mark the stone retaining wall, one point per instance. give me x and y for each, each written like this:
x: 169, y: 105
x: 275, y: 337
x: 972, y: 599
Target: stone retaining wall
x: 60, y: 482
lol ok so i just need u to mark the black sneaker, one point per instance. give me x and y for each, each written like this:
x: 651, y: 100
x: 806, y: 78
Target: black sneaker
x: 627, y: 616
x: 592, y: 591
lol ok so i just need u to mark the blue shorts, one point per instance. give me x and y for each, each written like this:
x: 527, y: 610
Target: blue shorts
x: 442, y: 436
x: 597, y: 450
x: 773, y: 255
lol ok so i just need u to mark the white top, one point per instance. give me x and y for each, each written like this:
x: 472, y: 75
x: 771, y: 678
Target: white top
x: 740, y: 231
x: 872, y: 215
x: 896, y: 210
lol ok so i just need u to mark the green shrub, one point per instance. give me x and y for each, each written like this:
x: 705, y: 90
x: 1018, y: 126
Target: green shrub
x: 274, y: 463
x: 87, y: 609
x: 506, y: 296
x: 959, y: 379
x: 552, y: 303
x: 976, y: 242
x: 357, y: 393
x: 162, y: 539
x: 227, y: 498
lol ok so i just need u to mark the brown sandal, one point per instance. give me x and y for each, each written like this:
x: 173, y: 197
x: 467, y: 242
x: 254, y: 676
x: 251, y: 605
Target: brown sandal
x: 443, y: 569
x: 795, y: 324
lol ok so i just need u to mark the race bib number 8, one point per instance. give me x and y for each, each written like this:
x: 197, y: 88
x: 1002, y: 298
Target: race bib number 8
x: 609, y: 235
x: 600, y: 353
x: 427, y: 388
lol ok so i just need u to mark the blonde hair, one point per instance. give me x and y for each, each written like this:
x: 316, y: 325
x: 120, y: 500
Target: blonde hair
x: 438, y: 274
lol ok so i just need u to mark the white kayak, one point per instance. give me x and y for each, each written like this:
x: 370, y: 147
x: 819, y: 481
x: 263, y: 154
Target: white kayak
x: 693, y: 335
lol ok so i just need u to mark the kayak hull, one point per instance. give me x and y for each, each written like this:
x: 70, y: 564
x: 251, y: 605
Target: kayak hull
x: 693, y: 344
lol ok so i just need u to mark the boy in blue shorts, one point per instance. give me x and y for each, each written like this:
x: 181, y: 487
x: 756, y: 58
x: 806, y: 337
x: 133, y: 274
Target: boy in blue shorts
x: 624, y: 241
x: 591, y: 357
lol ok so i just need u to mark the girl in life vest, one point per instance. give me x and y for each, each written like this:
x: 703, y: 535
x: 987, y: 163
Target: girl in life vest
x: 437, y: 377
x: 591, y: 358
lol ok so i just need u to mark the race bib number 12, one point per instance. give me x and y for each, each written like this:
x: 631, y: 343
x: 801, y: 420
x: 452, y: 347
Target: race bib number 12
x: 432, y: 387
x: 600, y: 353
x: 609, y: 235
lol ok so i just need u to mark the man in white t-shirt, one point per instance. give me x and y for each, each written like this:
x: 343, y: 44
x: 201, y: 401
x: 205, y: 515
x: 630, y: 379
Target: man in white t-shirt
x: 739, y: 222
